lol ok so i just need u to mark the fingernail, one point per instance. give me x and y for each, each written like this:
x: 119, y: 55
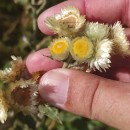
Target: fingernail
x: 53, y: 87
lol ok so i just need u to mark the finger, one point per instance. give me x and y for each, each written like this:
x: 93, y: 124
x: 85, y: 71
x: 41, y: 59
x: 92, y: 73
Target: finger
x: 56, y: 9
x: 107, y: 11
x: 122, y: 74
x: 127, y: 31
x: 39, y: 61
x: 116, y: 73
x: 88, y: 95
x: 119, y: 61
x: 102, y: 10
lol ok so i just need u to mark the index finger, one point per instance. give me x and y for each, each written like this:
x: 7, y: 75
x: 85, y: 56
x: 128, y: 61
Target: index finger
x: 105, y: 11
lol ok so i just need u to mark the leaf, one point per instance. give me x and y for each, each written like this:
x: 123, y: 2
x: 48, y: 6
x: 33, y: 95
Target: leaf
x: 50, y: 112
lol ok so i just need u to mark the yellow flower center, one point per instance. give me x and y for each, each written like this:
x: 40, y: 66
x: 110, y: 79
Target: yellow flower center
x: 82, y: 47
x: 59, y: 47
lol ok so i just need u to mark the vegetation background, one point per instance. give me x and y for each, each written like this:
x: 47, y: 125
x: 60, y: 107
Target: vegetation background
x: 19, y: 35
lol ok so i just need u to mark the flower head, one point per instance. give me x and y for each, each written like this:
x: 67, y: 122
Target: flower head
x: 81, y: 49
x: 101, y: 58
x: 13, y: 73
x: 59, y: 48
x: 96, y: 31
x: 91, y: 43
x: 68, y: 23
x: 22, y: 96
x: 3, y: 108
x: 121, y: 44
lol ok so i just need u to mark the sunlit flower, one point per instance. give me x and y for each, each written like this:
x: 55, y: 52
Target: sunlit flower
x: 121, y: 44
x: 101, y: 58
x: 14, y: 72
x: 59, y: 48
x: 96, y: 31
x: 3, y: 108
x: 81, y: 49
x: 67, y: 23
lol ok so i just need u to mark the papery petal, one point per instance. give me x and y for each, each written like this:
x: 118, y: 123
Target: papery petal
x: 96, y: 31
x: 13, y: 73
x: 101, y: 59
x: 120, y: 42
x: 3, y: 108
x: 67, y: 23
x: 22, y: 96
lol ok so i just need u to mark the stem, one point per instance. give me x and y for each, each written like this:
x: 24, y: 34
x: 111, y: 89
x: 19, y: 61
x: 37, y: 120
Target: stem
x: 67, y: 63
x: 41, y: 7
x: 33, y: 15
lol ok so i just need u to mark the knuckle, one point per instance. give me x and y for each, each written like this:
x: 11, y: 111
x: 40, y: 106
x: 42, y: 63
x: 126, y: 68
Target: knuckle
x: 94, y: 101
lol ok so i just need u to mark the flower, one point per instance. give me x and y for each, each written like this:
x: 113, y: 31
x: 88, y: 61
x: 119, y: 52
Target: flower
x: 121, y: 44
x: 101, y: 58
x: 81, y: 49
x: 96, y: 31
x: 68, y: 23
x: 22, y: 96
x: 59, y: 48
x: 3, y: 108
x: 14, y: 72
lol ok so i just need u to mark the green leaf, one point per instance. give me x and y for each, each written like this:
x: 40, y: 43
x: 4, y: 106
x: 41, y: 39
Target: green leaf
x: 50, y: 112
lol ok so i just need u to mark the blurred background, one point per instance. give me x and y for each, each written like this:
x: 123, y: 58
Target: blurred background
x: 19, y: 35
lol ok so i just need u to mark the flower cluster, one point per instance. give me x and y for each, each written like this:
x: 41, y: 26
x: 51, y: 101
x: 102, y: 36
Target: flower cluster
x: 19, y: 93
x: 68, y: 23
x: 82, y: 42
x: 12, y: 73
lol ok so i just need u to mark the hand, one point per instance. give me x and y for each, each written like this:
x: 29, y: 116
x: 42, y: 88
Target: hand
x: 85, y: 94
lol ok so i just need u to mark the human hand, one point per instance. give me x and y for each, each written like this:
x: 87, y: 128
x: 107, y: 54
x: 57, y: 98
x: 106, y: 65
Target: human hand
x: 82, y: 93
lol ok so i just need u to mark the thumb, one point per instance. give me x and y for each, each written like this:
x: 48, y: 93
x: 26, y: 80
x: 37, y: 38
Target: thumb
x: 88, y: 95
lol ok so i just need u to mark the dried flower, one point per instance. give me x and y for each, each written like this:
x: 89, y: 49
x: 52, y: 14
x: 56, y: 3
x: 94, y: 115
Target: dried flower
x: 67, y: 23
x: 121, y: 44
x: 93, y: 45
x: 3, y: 108
x: 81, y: 49
x: 96, y: 31
x: 101, y: 58
x: 13, y: 73
x: 59, y: 48
x: 22, y: 96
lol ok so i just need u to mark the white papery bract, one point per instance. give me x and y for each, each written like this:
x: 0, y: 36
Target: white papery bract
x: 121, y: 44
x: 101, y: 59
x: 14, y: 72
x: 3, y: 108
x: 96, y: 31
x: 107, y: 40
x: 3, y: 112
x: 67, y: 23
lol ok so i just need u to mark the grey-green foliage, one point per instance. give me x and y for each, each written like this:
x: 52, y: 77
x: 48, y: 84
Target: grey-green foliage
x: 50, y: 112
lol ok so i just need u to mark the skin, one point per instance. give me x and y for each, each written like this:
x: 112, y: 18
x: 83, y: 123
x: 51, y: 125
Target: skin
x: 106, y: 97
